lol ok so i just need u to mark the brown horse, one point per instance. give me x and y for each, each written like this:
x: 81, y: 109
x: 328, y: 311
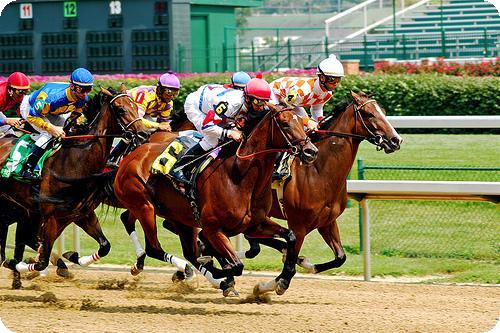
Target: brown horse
x: 314, y: 197
x: 234, y: 196
x: 110, y: 114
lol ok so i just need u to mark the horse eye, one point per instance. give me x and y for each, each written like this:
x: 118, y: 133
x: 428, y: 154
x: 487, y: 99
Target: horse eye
x: 369, y: 115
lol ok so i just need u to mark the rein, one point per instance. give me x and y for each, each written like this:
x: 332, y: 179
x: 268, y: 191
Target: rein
x: 292, y: 148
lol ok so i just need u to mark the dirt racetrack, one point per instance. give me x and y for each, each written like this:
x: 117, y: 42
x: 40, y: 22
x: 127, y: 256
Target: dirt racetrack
x: 113, y: 301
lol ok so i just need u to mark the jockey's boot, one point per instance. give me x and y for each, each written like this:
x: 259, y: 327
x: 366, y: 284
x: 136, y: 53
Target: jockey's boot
x: 29, y: 167
x: 276, y: 172
x: 115, y: 154
x: 189, y: 156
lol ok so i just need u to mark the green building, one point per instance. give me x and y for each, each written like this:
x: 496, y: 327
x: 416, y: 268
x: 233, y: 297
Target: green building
x: 52, y: 37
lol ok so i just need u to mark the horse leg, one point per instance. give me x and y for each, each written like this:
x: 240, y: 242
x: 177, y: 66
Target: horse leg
x: 90, y: 224
x: 217, y: 242
x: 128, y: 221
x: 52, y: 228
x: 4, y: 230
x: 146, y: 216
x: 254, y: 250
x: 269, y: 229
x: 331, y: 235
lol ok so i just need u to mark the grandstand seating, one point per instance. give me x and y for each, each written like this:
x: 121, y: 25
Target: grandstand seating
x: 470, y: 28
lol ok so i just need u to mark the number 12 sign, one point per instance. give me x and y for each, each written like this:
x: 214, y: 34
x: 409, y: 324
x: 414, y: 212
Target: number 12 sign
x: 26, y: 11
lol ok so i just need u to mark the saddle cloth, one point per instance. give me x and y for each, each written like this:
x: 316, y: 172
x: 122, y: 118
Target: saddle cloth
x: 18, y: 156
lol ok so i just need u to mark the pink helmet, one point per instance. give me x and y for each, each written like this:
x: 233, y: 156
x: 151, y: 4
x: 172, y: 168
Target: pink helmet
x: 169, y: 80
x: 258, y: 88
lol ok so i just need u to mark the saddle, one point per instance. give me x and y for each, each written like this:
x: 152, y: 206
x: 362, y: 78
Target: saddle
x: 18, y: 157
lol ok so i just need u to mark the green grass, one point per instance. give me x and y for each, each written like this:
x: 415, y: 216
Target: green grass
x: 455, y: 239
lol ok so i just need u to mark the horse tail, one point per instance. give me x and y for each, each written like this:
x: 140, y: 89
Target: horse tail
x: 85, y: 193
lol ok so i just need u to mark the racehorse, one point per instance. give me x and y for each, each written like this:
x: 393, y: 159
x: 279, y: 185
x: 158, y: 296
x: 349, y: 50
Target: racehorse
x: 110, y: 114
x: 314, y: 197
x: 234, y: 196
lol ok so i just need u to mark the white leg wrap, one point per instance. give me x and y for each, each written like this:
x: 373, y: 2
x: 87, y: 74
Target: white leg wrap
x: 177, y: 262
x: 23, y: 267
x: 214, y: 282
x: 87, y: 260
x: 44, y: 272
x: 139, y: 251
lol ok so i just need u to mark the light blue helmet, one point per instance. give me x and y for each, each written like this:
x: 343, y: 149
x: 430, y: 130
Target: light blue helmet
x: 240, y: 79
x: 82, y: 77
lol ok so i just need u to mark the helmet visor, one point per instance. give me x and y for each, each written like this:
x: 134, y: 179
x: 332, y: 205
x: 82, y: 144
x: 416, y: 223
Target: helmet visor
x: 332, y: 79
x: 168, y: 93
x: 20, y: 91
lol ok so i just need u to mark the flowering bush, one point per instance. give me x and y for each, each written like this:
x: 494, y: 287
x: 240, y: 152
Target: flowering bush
x: 485, y: 68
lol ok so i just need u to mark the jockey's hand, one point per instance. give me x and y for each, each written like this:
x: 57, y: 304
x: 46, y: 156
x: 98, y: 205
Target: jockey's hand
x: 57, y: 131
x: 235, y: 135
x: 14, y: 122
x: 312, y: 125
x: 165, y: 127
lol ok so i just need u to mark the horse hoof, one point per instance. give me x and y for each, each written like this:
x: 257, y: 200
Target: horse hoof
x: 135, y: 271
x: 71, y: 256
x: 17, y: 284
x: 256, y: 290
x: 32, y: 275
x: 189, y: 272
x: 282, y: 286
x: 178, y: 276
x: 64, y: 273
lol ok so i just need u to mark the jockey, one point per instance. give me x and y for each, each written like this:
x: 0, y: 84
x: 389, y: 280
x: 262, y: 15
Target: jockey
x: 212, y: 106
x: 12, y: 92
x: 46, y: 110
x: 301, y: 92
x: 153, y: 102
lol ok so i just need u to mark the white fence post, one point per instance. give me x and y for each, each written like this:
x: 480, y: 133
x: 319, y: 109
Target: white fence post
x: 366, y: 240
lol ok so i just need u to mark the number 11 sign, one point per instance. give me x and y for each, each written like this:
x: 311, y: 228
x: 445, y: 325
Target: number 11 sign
x: 25, y: 11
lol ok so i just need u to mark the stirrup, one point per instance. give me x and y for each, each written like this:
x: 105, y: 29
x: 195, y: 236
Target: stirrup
x: 180, y: 177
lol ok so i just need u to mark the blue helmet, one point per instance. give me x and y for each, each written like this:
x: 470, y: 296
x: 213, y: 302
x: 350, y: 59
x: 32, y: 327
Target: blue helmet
x: 82, y: 77
x: 240, y: 79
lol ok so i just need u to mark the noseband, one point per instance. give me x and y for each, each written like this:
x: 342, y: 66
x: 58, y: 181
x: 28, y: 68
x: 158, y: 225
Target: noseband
x: 373, y: 138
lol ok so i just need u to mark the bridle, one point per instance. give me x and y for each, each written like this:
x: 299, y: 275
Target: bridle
x: 372, y: 137
x: 293, y: 147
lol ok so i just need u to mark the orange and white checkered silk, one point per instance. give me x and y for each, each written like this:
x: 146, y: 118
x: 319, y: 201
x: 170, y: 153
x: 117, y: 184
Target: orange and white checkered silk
x: 300, y: 91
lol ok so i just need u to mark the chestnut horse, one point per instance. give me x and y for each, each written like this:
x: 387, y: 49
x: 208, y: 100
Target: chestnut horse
x: 313, y: 198
x: 234, y: 196
x: 110, y: 114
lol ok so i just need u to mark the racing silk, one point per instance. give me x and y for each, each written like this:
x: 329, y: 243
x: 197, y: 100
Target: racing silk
x: 52, y: 99
x: 7, y: 102
x: 213, y: 104
x: 300, y: 92
x: 150, y: 105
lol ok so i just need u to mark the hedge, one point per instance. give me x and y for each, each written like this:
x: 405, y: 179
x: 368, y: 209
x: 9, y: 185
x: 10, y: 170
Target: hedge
x: 408, y: 95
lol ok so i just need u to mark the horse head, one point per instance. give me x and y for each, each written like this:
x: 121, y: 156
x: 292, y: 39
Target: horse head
x: 291, y: 134
x: 125, y: 115
x: 371, y: 122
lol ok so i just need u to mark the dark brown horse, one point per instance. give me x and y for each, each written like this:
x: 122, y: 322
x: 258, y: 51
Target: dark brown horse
x: 314, y: 197
x: 110, y: 114
x: 234, y: 196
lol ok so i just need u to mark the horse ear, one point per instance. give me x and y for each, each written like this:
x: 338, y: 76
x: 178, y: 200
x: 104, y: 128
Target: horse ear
x: 123, y: 89
x: 355, y: 96
x: 106, y: 91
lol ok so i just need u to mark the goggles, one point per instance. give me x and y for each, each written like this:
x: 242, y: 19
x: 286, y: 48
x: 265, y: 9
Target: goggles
x: 259, y: 102
x: 20, y: 91
x: 82, y: 89
x: 168, y: 91
x: 332, y: 79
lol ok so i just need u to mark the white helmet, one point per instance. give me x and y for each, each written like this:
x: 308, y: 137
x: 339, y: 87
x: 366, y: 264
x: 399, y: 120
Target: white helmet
x: 331, y: 66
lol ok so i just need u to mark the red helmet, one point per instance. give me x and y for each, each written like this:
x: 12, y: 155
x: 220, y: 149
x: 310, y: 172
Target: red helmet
x: 18, y: 80
x: 258, y: 88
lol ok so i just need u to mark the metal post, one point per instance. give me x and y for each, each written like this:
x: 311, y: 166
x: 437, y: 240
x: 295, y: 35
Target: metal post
x: 277, y: 44
x: 289, y: 47
x: 253, y: 57
x: 443, y: 41
x: 486, y: 53
x: 366, y: 240
x: 327, y: 52
x: 361, y: 176
x: 394, y: 26
x: 224, y: 57
x: 60, y: 244
x: 404, y: 46
x: 365, y: 65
